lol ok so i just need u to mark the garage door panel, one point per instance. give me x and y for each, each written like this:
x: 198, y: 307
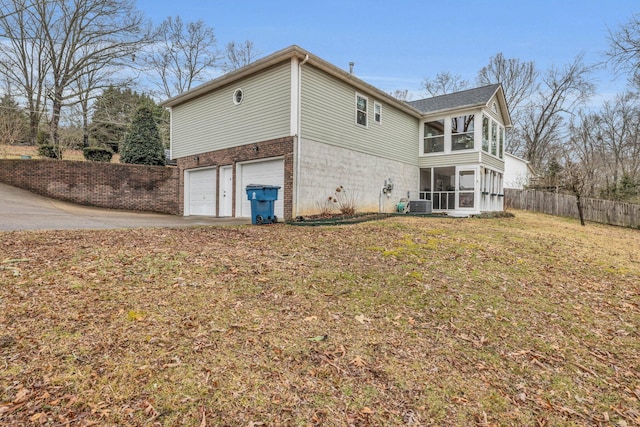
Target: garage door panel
x: 202, y: 192
x: 270, y: 172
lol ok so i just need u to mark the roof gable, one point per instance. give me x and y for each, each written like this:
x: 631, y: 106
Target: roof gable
x: 467, y: 98
x: 288, y: 54
x: 476, y: 97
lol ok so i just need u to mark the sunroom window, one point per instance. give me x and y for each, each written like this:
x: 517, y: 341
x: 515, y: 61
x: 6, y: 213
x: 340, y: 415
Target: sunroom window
x: 494, y: 138
x: 485, y: 134
x: 434, y: 136
x: 462, y: 132
x: 501, y: 142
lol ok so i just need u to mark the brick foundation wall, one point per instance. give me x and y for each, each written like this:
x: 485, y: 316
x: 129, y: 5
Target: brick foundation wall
x: 107, y: 185
x: 281, y: 147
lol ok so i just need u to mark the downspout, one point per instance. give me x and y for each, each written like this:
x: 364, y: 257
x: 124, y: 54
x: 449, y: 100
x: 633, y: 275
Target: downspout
x: 299, y: 126
x: 170, y: 132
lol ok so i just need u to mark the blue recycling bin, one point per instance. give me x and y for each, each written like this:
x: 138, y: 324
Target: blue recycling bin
x: 263, y: 199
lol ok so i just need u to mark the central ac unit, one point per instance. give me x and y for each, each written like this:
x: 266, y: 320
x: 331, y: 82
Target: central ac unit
x: 420, y: 206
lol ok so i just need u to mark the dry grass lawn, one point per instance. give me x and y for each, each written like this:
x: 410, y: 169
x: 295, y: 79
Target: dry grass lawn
x: 531, y: 320
x: 17, y: 151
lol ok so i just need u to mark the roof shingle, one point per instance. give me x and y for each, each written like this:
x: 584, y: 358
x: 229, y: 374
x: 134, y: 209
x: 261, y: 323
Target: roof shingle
x: 465, y: 98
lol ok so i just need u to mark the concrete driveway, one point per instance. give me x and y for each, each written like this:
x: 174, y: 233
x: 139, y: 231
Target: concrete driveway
x: 23, y: 210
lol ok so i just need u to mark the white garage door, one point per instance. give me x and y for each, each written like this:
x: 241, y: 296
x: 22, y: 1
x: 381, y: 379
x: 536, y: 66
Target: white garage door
x: 269, y: 172
x: 200, y: 192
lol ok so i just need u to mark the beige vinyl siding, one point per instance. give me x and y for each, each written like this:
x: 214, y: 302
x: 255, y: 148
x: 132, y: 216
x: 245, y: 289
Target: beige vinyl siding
x: 329, y: 116
x: 497, y: 116
x: 494, y: 116
x: 212, y: 121
x: 493, y: 162
x: 449, y: 159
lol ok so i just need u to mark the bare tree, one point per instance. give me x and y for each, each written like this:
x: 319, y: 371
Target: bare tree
x: 53, y: 44
x: 82, y: 36
x: 619, y: 135
x: 182, y: 55
x: 561, y: 92
x: 401, y: 94
x: 518, y: 79
x: 23, y: 59
x: 624, y: 49
x: 238, y: 55
x: 13, y: 121
x: 86, y: 87
x: 585, y: 145
x: 89, y: 86
x: 443, y: 83
x: 574, y: 180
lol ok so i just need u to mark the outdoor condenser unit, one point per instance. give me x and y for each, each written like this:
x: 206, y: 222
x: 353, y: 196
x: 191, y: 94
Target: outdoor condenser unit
x: 420, y: 206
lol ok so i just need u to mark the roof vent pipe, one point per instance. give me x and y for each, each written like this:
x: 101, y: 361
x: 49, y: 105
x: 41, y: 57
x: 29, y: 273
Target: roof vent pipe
x: 351, y: 64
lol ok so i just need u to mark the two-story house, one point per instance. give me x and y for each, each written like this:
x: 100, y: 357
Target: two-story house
x: 294, y: 120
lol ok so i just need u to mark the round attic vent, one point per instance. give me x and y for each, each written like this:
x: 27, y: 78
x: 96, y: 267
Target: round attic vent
x: 238, y: 96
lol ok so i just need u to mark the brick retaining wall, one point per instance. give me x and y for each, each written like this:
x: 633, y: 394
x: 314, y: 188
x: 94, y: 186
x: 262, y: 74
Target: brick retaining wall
x: 107, y: 185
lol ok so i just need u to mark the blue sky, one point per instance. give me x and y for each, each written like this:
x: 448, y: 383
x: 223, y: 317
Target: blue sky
x: 396, y: 44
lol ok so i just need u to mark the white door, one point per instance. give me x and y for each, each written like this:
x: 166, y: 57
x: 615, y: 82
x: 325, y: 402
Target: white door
x: 200, y: 192
x: 466, y: 189
x: 226, y: 191
x: 267, y: 172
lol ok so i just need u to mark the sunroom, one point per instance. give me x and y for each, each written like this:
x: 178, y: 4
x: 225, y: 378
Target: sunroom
x: 461, y: 154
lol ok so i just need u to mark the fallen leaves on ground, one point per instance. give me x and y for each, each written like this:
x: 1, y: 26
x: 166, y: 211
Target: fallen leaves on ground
x: 531, y: 320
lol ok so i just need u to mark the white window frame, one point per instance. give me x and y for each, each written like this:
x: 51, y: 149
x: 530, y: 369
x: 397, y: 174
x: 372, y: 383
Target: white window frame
x: 446, y: 126
x: 471, y: 191
x: 488, y: 120
x: 377, y: 112
x: 472, y: 132
x: 365, y: 111
x: 493, y: 146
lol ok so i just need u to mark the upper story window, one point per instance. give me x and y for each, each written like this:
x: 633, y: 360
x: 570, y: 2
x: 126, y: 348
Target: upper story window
x: 494, y: 138
x: 434, y: 136
x: 377, y: 112
x: 458, y: 132
x: 485, y: 133
x: 462, y: 132
x: 361, y: 110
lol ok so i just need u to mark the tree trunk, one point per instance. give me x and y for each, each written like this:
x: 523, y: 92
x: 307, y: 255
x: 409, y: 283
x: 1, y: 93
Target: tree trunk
x: 54, y: 125
x: 34, y: 125
x: 580, y: 212
x: 85, y: 123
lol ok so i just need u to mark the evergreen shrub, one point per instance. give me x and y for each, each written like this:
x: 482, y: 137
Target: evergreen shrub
x: 97, y: 154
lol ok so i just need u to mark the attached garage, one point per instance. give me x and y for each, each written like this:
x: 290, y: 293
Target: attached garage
x: 200, y: 192
x: 265, y: 172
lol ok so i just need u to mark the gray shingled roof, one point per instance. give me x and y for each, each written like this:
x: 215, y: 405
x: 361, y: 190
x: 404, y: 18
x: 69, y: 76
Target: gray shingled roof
x: 465, y: 98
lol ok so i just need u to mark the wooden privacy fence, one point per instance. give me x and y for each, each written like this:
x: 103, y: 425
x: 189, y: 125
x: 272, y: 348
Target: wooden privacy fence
x: 596, y: 210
